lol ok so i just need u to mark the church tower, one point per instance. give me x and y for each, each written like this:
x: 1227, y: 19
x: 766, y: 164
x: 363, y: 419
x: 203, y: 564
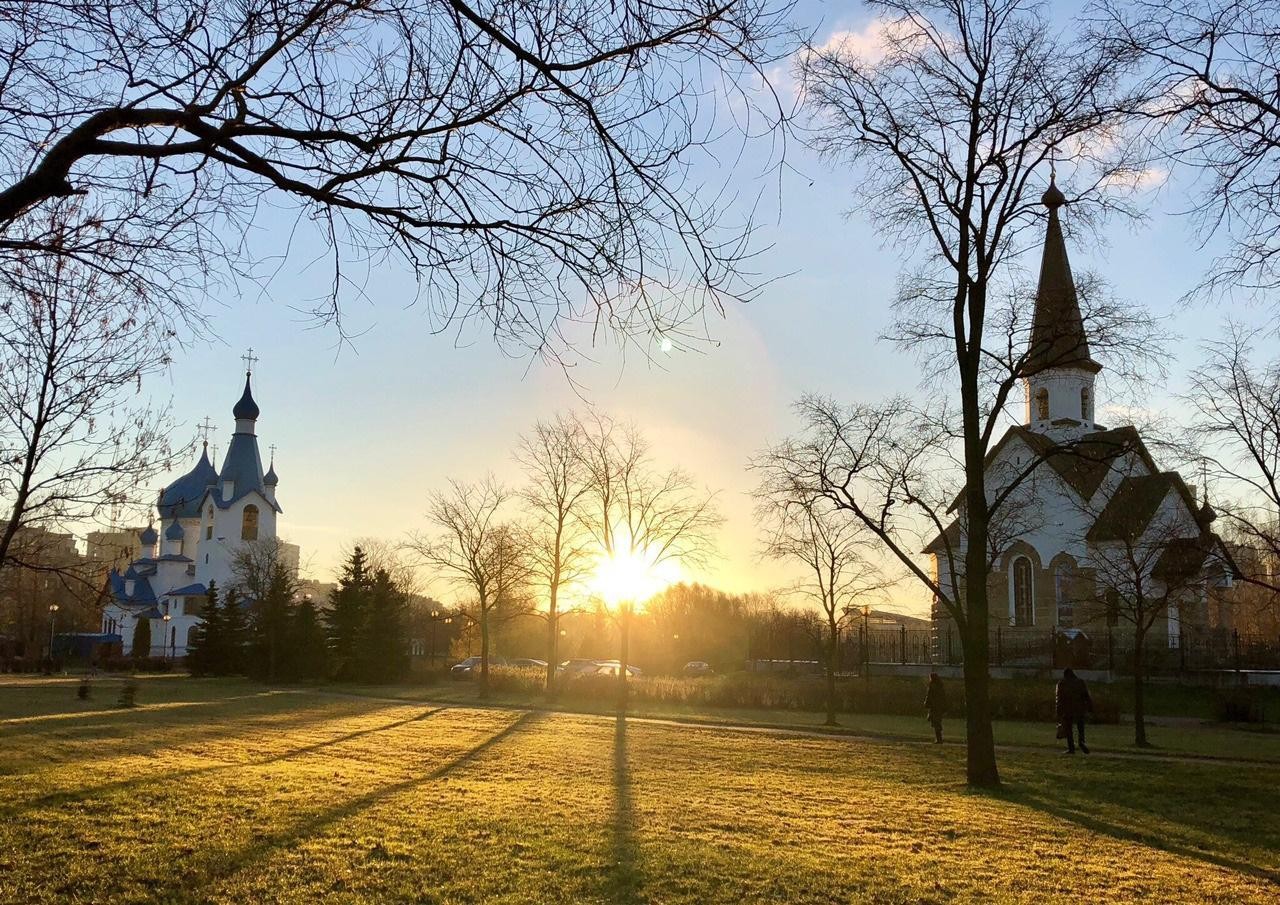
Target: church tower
x: 1059, y: 372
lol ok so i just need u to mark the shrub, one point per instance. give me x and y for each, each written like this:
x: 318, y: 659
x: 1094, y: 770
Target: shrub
x: 1238, y: 705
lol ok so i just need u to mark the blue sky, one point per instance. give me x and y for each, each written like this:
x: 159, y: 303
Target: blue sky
x: 365, y: 431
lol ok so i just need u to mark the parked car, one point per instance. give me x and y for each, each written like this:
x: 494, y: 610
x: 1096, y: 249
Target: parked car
x: 611, y: 667
x: 471, y: 666
x: 577, y: 667
x: 527, y: 663
x: 698, y: 668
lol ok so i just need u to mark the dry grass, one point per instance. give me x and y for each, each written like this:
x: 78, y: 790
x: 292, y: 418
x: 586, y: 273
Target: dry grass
x: 223, y: 792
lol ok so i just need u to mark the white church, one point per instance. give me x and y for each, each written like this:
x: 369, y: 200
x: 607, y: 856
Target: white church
x: 203, y: 518
x: 1093, y: 521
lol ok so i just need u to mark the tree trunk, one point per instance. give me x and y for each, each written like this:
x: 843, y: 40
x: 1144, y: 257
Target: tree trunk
x: 833, y: 644
x: 484, y: 651
x: 981, y: 767
x: 624, y: 651
x: 1139, y: 704
x: 553, y: 640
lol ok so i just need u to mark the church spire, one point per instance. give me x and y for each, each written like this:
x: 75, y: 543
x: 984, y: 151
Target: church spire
x: 1058, y: 337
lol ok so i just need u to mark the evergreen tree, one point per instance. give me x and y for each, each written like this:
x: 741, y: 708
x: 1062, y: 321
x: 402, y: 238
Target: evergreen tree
x: 269, y: 625
x: 346, y: 617
x: 204, y: 651
x: 307, y: 656
x: 142, y: 639
x: 235, y: 633
x: 380, y: 654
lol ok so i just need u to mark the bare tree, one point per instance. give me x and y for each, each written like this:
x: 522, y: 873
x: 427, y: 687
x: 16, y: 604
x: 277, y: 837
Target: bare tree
x: 1215, y: 66
x: 555, y: 495
x: 73, y: 448
x: 529, y: 159
x: 394, y: 559
x: 263, y: 573
x: 1235, y: 401
x: 965, y: 103
x: 1153, y: 559
x: 835, y: 552
x: 476, y: 552
x: 641, y: 512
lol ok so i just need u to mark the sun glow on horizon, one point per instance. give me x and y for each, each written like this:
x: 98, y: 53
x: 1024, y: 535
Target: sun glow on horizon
x: 632, y: 575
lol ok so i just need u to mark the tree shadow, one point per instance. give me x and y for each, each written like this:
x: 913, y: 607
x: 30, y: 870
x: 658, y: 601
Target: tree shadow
x: 1079, y: 813
x: 53, y: 799
x: 221, y: 865
x: 624, y: 877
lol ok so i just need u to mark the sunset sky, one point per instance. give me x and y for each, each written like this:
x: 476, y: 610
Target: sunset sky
x: 365, y: 430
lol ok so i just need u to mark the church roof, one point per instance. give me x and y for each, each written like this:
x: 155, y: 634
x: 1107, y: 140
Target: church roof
x: 190, y: 590
x: 142, y: 592
x: 181, y: 499
x: 246, y: 408
x: 1058, y: 337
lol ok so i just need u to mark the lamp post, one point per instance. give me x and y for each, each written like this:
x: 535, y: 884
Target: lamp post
x: 53, y: 615
x: 168, y: 636
x: 866, y: 642
x: 435, y: 618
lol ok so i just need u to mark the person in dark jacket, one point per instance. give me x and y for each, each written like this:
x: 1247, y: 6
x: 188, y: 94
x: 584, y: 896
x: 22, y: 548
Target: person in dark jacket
x: 935, y: 703
x: 1072, y: 702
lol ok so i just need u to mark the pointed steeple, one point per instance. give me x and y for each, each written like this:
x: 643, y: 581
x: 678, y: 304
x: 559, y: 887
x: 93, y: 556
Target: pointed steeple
x: 246, y: 409
x: 1058, y: 337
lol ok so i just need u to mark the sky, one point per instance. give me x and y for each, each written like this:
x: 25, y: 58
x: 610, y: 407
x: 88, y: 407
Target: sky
x: 366, y: 430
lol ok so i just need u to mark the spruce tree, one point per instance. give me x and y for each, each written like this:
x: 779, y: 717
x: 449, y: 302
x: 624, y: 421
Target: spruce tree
x: 142, y: 639
x: 381, y: 642
x: 235, y: 632
x: 346, y: 617
x: 270, y: 624
x: 205, y: 652
x: 307, y: 651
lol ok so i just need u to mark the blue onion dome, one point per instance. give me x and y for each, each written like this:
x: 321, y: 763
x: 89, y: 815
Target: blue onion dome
x: 246, y: 408
x: 148, y: 536
x: 181, y: 499
x: 270, y: 479
x: 131, y: 573
x: 174, y: 531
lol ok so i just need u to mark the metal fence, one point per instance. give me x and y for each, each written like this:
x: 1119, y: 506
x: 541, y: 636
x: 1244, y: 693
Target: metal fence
x: 1113, y: 649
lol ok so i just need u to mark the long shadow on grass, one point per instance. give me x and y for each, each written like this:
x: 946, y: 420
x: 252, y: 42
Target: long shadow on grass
x: 150, y: 781
x: 624, y: 877
x: 1064, y: 810
x: 222, y: 865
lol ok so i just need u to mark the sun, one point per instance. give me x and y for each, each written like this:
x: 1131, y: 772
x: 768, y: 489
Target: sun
x: 632, y: 576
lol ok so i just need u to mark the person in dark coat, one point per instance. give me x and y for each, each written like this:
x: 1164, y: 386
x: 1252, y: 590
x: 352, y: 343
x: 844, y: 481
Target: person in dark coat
x: 935, y: 704
x: 1072, y: 702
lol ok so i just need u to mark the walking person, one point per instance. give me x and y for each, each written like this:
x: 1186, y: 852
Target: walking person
x: 1072, y: 702
x: 935, y: 704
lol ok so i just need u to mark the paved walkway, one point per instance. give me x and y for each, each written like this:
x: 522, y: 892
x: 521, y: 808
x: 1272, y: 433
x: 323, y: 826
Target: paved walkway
x: 783, y: 731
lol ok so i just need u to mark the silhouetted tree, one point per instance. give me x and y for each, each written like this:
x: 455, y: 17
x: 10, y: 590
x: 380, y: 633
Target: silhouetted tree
x: 206, y: 649
x: 381, y: 644
x: 235, y: 633
x: 307, y: 654
x: 269, y: 623
x: 346, y: 615
x: 527, y: 158
x: 951, y: 120
x: 142, y: 639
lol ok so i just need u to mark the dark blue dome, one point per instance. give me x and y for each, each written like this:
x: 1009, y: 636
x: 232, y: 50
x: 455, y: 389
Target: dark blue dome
x: 181, y: 499
x: 246, y: 408
x: 148, y: 536
x: 174, y: 531
x: 270, y: 479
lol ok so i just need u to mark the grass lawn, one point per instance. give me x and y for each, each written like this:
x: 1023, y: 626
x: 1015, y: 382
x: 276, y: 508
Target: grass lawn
x: 228, y: 792
x: 1181, y: 736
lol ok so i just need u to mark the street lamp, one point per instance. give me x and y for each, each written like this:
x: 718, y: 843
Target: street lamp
x: 53, y: 615
x: 435, y: 618
x: 169, y: 635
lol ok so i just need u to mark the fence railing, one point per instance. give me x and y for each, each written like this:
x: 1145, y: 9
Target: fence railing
x: 1194, y: 649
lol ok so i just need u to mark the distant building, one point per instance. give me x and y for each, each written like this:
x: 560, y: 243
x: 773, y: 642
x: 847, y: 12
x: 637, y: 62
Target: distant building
x: 203, y: 519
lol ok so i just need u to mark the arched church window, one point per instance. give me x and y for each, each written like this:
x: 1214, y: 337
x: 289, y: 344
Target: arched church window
x: 1023, y: 611
x: 249, y: 523
x: 1042, y: 403
x: 1084, y: 403
x: 1063, y: 575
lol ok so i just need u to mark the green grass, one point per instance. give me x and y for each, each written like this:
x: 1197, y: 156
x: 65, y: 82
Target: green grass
x: 228, y: 792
